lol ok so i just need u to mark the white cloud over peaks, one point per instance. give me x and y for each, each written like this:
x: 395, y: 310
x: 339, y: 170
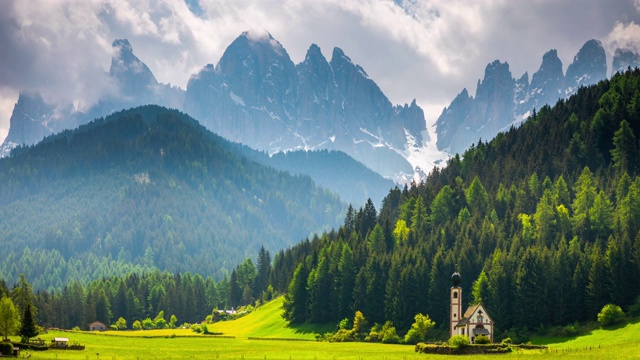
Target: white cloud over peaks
x: 625, y: 36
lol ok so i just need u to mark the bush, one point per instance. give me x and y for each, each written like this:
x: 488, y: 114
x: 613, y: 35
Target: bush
x: 196, y: 328
x: 419, y: 329
x: 388, y: 334
x: 458, y: 341
x: 342, y: 335
x: 570, y: 330
x: 6, y: 348
x: 482, y: 339
x: 610, y: 314
x: 506, y: 341
x: 344, y: 324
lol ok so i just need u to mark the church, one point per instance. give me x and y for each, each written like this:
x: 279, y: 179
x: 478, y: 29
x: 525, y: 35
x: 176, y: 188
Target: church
x: 475, y: 321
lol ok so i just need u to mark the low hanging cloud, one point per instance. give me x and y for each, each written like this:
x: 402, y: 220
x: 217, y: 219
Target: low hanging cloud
x: 427, y: 50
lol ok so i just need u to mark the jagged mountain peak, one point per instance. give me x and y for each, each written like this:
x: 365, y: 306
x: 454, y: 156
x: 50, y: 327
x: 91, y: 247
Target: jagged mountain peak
x: 314, y: 52
x: 589, y: 66
x: 551, y: 63
x: 261, y: 41
x: 133, y: 75
x: 494, y: 73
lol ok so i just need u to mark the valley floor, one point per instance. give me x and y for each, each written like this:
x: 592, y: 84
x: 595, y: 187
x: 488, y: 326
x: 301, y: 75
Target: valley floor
x: 245, y: 338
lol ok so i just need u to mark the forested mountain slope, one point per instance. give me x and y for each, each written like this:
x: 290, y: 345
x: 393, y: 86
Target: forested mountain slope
x: 148, y: 187
x: 542, y: 222
x: 333, y: 170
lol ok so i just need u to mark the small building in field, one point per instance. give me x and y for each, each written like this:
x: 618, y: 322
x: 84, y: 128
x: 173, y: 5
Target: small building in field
x: 97, y: 326
x: 475, y: 320
x: 60, y: 342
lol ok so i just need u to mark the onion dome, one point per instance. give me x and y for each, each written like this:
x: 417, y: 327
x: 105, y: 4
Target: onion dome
x: 456, y: 278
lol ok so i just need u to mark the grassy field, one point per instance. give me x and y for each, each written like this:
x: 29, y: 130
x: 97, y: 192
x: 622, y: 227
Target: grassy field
x: 620, y: 343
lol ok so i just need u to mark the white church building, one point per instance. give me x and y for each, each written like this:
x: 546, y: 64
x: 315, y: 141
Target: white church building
x: 474, y: 321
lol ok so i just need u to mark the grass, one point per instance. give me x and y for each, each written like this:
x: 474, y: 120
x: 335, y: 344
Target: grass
x: 619, y: 343
x: 266, y: 321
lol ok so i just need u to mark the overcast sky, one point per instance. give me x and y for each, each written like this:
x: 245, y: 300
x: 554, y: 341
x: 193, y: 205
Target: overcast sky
x: 424, y: 49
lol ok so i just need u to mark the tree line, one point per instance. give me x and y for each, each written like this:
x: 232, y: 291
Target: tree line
x: 149, y: 297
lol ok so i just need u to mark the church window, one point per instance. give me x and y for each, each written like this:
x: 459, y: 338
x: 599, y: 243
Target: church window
x: 455, y: 294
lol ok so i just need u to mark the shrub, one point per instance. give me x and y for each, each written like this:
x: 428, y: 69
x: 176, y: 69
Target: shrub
x: 374, y: 334
x: 482, y: 339
x: 360, y: 325
x: 137, y: 325
x: 570, y: 330
x: 458, y: 341
x: 6, y: 348
x: 342, y: 335
x: 205, y: 329
x: 506, y: 341
x: 419, y: 329
x: 196, y: 328
x: 610, y: 314
x: 388, y: 334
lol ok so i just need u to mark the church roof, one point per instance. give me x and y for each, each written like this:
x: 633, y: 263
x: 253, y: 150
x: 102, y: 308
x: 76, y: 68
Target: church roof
x: 471, y: 310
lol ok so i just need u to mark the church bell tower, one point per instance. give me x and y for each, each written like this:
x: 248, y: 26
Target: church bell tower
x: 456, y: 303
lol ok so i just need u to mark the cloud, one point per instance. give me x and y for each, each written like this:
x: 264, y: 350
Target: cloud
x: 624, y: 36
x: 424, y: 49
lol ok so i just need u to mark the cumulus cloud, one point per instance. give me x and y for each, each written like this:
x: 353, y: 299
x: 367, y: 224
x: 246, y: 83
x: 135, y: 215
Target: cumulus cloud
x: 424, y: 49
x: 624, y: 36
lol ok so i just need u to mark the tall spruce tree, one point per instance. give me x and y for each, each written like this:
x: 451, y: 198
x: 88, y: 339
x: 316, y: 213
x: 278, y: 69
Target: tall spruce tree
x: 28, y: 326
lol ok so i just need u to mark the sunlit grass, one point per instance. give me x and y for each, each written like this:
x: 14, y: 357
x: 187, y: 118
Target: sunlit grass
x: 266, y: 322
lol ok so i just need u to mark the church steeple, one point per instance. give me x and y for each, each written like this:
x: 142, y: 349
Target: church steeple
x: 456, y: 302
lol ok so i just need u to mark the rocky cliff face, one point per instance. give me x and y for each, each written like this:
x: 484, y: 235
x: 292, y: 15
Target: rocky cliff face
x: 502, y: 101
x: 480, y: 117
x: 33, y: 118
x: 589, y: 67
x: 257, y: 96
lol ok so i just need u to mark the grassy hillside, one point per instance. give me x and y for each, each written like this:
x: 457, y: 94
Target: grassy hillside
x: 267, y: 321
x: 621, y: 342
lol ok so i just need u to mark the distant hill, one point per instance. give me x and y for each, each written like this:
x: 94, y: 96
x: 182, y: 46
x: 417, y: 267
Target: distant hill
x: 333, y: 170
x: 148, y: 186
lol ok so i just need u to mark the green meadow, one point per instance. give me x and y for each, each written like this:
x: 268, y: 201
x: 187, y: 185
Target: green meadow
x: 265, y: 335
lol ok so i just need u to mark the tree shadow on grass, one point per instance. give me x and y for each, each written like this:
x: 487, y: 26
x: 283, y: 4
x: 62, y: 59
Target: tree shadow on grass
x: 307, y: 328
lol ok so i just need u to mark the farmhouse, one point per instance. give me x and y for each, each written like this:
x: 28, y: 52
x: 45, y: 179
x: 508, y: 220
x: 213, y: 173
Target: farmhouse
x: 97, y: 326
x: 475, y: 320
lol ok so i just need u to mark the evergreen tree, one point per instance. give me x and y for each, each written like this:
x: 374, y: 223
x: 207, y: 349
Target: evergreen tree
x: 625, y: 151
x: 480, y: 291
x: 28, y: 326
x: 296, y: 300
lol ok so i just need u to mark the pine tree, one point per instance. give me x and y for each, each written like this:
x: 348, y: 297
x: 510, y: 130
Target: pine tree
x: 28, y: 327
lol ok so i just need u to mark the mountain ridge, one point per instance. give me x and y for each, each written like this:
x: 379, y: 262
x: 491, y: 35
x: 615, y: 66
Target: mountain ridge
x: 153, y: 186
x: 465, y: 120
